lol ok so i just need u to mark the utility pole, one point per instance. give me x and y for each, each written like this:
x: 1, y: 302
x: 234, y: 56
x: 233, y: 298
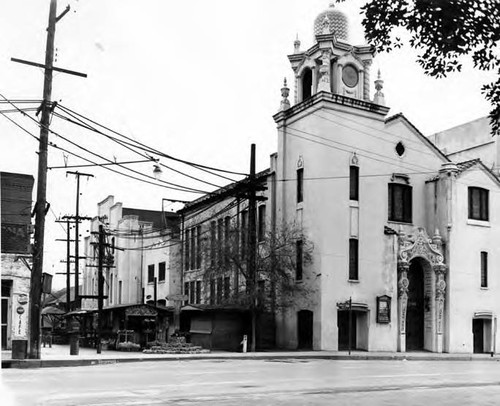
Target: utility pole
x: 68, y: 240
x: 102, y: 245
x: 77, y: 235
x: 252, y: 244
x: 100, y: 286
x: 41, y: 192
x: 40, y: 209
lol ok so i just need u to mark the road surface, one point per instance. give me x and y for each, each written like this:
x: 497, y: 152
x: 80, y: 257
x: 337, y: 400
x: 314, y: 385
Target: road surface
x: 258, y: 382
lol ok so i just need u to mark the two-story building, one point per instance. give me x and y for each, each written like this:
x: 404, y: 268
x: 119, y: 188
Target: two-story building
x: 140, y: 274
x: 15, y: 210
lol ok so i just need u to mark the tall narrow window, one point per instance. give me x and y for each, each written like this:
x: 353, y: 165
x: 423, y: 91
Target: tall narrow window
x: 192, y: 291
x: 151, y: 273
x: 300, y: 185
x: 186, y: 292
x: 261, y: 234
x: 212, y: 291
x: 400, y: 202
x: 227, y: 240
x: 299, y: 252
x: 213, y: 242
x: 353, y: 182
x: 161, y: 271
x: 227, y: 287
x: 111, y: 289
x: 120, y: 292
x: 198, y: 292
x: 198, y: 247
x: 306, y: 84
x: 187, y: 250
x: 220, y: 240
x: 353, y: 259
x: 192, y: 255
x: 478, y: 204
x: 244, y: 231
x: 484, y: 269
x: 219, y: 290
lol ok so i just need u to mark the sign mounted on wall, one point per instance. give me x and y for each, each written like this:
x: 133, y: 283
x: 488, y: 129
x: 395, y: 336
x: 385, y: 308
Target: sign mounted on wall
x: 383, y: 309
x: 20, y: 316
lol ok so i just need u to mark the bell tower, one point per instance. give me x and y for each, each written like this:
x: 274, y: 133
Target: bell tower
x: 332, y: 64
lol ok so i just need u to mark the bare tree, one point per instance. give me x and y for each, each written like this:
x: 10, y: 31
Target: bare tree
x: 282, y: 258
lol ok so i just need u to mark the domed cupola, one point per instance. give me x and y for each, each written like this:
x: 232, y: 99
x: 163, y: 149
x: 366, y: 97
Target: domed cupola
x: 332, y: 21
x: 332, y: 64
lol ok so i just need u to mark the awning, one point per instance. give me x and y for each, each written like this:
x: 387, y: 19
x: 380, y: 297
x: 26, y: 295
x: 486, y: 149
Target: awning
x: 79, y: 313
x: 209, y: 307
x: 483, y: 315
x: 355, y: 306
x: 190, y: 308
x: 52, y: 310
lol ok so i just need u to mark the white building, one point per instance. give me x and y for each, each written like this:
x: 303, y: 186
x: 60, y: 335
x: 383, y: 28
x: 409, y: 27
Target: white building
x: 405, y: 232
x: 143, y: 249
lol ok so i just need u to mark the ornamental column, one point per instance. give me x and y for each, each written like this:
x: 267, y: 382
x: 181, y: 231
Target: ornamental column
x: 440, y: 271
x: 403, y: 283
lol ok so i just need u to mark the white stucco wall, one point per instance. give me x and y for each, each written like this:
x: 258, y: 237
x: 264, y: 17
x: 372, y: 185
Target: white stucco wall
x: 335, y: 132
x: 468, y: 239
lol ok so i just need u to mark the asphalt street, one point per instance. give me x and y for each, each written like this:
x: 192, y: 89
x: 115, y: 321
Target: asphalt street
x: 258, y: 382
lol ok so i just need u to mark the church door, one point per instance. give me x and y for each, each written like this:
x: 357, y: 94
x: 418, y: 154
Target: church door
x: 415, y: 308
x: 305, y: 329
x: 478, y: 335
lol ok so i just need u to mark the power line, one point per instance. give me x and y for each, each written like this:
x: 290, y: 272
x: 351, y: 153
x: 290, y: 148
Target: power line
x: 128, y: 146
x: 371, y: 130
x: 175, y: 186
x: 154, y: 150
x: 352, y: 149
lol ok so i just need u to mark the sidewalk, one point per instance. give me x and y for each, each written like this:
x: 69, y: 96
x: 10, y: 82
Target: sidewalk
x: 58, y: 356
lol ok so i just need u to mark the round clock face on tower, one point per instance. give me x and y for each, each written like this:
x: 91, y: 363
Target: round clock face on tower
x: 350, y: 76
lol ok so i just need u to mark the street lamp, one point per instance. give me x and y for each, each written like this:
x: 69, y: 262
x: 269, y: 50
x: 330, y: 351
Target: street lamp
x: 157, y: 172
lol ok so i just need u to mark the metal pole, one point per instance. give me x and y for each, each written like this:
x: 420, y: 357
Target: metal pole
x: 68, y: 268
x: 41, y: 203
x: 350, y: 323
x: 252, y: 244
x: 77, y: 244
x: 100, y: 286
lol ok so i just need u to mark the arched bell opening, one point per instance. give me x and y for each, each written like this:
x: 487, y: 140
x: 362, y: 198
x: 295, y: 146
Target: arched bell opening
x: 306, y: 84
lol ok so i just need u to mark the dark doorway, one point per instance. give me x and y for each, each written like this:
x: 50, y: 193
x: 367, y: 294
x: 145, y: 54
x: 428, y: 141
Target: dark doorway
x: 415, y: 308
x: 306, y: 84
x: 305, y: 329
x: 478, y: 335
x: 343, y: 327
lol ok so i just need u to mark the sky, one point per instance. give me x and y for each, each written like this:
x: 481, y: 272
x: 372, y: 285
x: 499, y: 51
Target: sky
x: 198, y: 80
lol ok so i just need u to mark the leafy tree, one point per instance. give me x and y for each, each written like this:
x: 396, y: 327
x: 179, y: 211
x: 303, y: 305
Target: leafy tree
x: 274, y: 285
x: 443, y: 31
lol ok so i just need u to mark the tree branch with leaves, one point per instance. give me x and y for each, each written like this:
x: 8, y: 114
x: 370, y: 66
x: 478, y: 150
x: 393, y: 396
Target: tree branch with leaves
x: 443, y: 32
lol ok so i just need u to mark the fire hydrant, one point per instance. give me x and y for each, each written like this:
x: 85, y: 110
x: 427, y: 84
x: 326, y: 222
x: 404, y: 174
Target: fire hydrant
x: 244, y: 343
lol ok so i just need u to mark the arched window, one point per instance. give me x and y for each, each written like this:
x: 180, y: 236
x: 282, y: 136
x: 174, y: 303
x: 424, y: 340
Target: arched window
x: 306, y: 84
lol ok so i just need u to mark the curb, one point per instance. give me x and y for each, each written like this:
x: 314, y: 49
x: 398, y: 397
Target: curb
x: 31, y: 364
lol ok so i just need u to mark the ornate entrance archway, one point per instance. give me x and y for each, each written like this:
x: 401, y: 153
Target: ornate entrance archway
x: 419, y: 247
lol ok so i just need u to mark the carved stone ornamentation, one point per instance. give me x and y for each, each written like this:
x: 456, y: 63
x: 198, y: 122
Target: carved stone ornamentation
x: 324, y: 72
x: 419, y: 245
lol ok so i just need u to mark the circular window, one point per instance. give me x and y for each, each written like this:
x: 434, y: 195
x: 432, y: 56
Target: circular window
x: 400, y: 148
x: 350, y: 76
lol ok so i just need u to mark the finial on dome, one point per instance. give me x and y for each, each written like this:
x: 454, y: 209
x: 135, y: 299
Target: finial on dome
x: 336, y: 21
x: 325, y: 26
x: 379, y: 95
x: 285, y: 91
x: 296, y: 45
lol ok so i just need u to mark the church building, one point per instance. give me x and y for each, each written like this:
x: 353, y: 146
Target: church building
x: 405, y: 236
